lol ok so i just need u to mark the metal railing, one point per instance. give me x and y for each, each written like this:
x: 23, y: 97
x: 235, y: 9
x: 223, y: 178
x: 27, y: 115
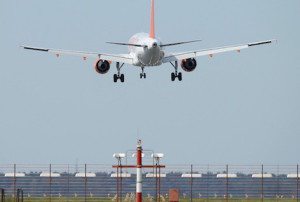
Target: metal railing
x: 90, y: 182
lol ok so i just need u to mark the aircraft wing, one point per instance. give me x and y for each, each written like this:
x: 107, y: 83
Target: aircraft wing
x: 122, y: 58
x: 210, y: 52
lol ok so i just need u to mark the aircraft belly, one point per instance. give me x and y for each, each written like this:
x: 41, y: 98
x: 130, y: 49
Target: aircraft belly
x: 150, y: 58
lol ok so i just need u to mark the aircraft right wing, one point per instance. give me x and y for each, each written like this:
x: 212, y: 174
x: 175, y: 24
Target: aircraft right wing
x: 210, y: 52
x: 122, y: 58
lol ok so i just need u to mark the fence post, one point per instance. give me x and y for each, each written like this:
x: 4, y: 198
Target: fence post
x: 50, y: 182
x: 227, y: 181
x: 20, y: 195
x: 15, y: 181
x: 156, y: 183
x: 85, y: 182
x: 207, y: 184
x: 68, y: 179
x: 121, y: 183
x: 262, y: 182
x: 297, y: 182
x: 2, y: 195
x: 191, y: 193
x: 277, y: 183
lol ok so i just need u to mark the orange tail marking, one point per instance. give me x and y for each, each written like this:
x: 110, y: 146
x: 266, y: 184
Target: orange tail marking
x: 152, y: 22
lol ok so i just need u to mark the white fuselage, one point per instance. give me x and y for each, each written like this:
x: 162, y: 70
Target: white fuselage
x: 149, y: 55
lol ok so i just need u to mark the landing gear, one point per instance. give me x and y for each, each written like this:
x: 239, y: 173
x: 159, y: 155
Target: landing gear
x: 122, y: 78
x: 115, y: 78
x: 179, y: 76
x: 143, y: 74
x: 173, y: 76
x: 119, y: 75
x: 176, y: 74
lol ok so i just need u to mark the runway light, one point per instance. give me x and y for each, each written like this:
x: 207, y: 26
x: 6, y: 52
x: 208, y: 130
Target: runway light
x: 85, y: 175
x: 47, y: 174
x: 153, y: 175
x: 14, y: 175
x: 157, y: 155
x: 119, y: 155
x: 123, y: 175
x: 224, y: 175
x: 189, y: 175
x: 259, y: 175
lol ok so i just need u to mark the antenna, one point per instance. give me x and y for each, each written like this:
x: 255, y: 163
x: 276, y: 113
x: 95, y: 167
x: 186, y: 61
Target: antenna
x: 76, y: 166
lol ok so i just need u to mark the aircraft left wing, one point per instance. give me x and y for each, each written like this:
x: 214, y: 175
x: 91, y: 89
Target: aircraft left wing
x: 122, y: 58
x: 210, y: 52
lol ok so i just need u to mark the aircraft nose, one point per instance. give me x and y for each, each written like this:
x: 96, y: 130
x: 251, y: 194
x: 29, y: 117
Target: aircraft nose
x: 154, y: 45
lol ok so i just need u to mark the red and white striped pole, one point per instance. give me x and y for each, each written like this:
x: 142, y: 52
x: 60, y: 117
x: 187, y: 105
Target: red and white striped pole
x: 139, y: 180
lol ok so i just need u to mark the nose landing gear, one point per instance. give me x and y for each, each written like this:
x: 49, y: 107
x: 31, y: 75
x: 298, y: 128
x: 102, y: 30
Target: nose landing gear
x: 176, y: 74
x: 143, y: 74
x: 119, y: 75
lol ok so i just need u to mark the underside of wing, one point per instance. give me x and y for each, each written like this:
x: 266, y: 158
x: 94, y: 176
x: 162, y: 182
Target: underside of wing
x: 210, y: 52
x: 122, y: 58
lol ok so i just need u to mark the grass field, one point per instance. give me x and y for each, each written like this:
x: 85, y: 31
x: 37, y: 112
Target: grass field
x: 62, y: 199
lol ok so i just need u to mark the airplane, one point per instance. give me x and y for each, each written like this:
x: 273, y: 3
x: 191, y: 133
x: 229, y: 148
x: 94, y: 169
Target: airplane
x: 147, y: 50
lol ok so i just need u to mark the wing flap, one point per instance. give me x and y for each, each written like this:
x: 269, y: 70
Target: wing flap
x: 123, y: 58
x: 211, y: 52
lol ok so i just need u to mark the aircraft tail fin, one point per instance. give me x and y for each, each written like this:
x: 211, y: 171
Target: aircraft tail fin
x: 152, y: 20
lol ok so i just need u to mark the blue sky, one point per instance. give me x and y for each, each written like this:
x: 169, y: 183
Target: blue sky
x: 234, y: 108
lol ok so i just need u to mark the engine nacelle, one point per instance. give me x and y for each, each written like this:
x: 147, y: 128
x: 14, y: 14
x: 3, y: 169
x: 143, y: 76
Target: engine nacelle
x: 102, y: 66
x: 189, y: 65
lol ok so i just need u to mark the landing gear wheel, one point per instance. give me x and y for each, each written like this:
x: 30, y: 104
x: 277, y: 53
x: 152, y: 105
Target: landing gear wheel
x: 173, y: 76
x: 179, y: 76
x: 142, y: 75
x: 115, y: 78
x: 122, y: 78
x: 119, y: 75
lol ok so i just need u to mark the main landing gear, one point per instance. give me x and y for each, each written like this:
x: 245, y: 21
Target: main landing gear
x: 119, y: 75
x: 143, y: 74
x: 176, y: 74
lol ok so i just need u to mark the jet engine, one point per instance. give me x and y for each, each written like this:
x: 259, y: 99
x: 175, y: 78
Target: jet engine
x: 102, y: 66
x: 189, y: 65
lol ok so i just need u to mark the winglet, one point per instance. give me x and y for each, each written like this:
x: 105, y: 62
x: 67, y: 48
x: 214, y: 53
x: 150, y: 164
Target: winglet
x: 34, y: 48
x: 152, y: 21
x: 262, y: 42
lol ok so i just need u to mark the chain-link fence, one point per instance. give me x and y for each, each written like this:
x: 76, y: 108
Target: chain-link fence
x: 92, y: 182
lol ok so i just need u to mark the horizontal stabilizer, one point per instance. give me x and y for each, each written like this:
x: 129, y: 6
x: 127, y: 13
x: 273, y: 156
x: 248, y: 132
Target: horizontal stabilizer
x: 127, y: 44
x: 179, y: 43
